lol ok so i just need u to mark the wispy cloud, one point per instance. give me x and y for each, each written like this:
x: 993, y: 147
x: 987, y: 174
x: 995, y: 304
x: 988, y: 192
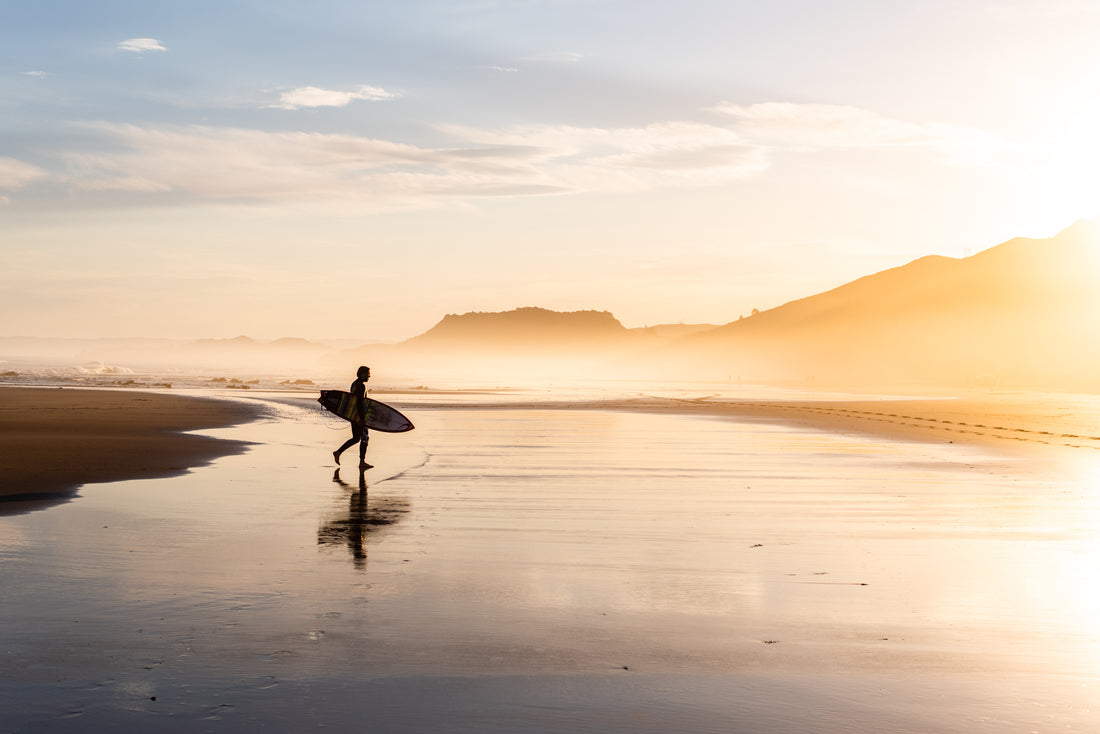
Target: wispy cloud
x: 233, y: 164
x: 556, y: 57
x: 355, y: 173
x: 812, y: 127
x: 661, y: 154
x: 15, y: 174
x: 141, y: 45
x: 318, y: 97
x: 38, y: 74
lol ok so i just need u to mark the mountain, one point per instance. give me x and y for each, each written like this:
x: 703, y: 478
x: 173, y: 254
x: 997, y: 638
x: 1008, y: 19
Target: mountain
x: 525, y: 341
x: 1026, y: 312
x: 523, y: 330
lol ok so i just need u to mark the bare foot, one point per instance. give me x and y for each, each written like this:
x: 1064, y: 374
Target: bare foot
x: 363, y: 466
x: 336, y: 457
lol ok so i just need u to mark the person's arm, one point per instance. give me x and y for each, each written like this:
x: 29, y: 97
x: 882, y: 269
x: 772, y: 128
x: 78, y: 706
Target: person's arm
x: 361, y: 391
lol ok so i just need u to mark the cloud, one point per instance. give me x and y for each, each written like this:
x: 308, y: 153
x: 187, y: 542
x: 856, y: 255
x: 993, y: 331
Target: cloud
x: 141, y: 45
x: 556, y: 57
x: 38, y: 74
x: 16, y: 174
x: 653, y: 156
x: 313, y: 169
x: 344, y: 172
x: 317, y: 97
x: 815, y: 127
x: 699, y: 158
x: 239, y: 165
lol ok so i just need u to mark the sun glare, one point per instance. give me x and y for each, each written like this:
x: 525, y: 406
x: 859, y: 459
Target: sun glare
x: 1070, y: 177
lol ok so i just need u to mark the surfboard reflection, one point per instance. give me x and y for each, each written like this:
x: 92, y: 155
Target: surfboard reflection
x: 361, y: 518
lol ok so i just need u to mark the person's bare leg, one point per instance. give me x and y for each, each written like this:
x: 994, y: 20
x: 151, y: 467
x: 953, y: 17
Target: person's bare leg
x: 363, y: 465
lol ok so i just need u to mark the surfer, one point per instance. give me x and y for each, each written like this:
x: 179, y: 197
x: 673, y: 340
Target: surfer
x: 358, y: 427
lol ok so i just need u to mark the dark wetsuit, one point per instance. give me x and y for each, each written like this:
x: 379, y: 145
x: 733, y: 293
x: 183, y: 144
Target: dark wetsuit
x: 358, y: 429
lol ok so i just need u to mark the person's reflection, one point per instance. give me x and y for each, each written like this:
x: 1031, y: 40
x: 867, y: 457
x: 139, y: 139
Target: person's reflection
x: 360, y: 520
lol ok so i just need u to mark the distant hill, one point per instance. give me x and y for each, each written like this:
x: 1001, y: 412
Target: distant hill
x: 1026, y: 312
x: 523, y: 341
x: 521, y: 330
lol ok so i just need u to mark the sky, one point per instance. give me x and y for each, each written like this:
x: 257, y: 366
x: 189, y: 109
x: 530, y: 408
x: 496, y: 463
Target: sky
x: 357, y: 169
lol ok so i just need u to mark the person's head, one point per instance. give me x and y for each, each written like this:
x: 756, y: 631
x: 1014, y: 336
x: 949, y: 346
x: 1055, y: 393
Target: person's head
x: 363, y: 373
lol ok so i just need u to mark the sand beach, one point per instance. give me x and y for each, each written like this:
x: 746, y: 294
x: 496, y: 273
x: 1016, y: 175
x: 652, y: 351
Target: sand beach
x: 643, y: 566
x: 52, y: 440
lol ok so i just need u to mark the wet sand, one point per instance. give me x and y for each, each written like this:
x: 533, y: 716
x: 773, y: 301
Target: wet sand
x: 1034, y: 424
x: 550, y: 570
x: 53, y: 440
x: 651, y: 565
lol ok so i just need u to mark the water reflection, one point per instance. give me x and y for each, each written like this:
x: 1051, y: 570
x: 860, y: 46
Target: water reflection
x: 359, y: 519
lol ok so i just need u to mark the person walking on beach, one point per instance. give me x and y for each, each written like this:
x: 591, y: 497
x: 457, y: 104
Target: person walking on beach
x: 359, y: 426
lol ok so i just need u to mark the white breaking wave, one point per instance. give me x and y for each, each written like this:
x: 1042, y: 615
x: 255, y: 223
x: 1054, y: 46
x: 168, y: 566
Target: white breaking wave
x: 99, y: 368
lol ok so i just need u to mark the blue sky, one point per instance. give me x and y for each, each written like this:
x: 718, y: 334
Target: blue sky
x: 358, y: 169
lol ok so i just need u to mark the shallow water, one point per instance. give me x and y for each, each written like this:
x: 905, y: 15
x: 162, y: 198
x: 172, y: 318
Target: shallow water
x: 540, y: 570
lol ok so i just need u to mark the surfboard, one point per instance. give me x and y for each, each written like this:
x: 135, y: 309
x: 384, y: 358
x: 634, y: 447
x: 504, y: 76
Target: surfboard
x: 380, y: 417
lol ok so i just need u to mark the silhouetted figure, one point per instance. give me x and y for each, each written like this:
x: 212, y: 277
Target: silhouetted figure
x: 358, y: 427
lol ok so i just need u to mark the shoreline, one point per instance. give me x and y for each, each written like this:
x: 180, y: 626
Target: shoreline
x: 55, y: 440
x: 130, y: 434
